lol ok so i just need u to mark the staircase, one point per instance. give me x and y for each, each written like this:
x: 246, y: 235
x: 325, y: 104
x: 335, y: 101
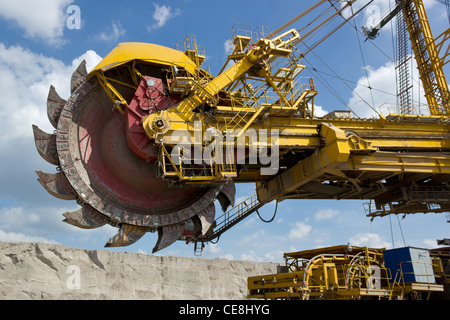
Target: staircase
x: 228, y: 220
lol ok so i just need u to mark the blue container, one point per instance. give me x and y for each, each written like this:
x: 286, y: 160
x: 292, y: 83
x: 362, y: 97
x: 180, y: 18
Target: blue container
x: 414, y: 263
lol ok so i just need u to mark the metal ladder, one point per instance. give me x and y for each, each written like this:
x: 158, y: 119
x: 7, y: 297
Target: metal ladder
x: 228, y: 220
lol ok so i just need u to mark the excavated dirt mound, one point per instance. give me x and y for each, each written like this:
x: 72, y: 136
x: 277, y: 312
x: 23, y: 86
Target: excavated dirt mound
x: 47, y: 271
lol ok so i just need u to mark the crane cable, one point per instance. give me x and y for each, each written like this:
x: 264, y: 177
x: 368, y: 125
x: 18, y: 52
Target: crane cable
x: 325, y: 83
x: 392, y: 232
x: 290, y: 22
x: 394, y: 52
x: 363, y: 59
x: 336, y: 75
x: 355, y: 83
x: 340, y: 78
x: 401, y: 231
x: 447, y: 6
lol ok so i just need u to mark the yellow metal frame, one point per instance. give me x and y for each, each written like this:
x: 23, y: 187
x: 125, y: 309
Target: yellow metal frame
x: 340, y: 157
x: 337, y: 272
x: 427, y: 55
x: 112, y: 92
x: 128, y: 52
x: 206, y: 93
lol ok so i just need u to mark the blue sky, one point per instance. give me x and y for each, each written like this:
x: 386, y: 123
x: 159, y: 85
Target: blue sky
x: 38, y: 49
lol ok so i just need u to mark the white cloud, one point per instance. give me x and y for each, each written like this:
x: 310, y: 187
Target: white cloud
x: 141, y: 251
x: 275, y: 256
x: 91, y: 57
x: 300, y: 231
x: 228, y: 256
x: 365, y: 102
x: 250, y: 239
x: 16, y: 217
x: 113, y: 34
x: 21, y: 224
x: 162, y: 15
x: 325, y: 214
x: 38, y: 19
x: 42, y: 223
x: 249, y: 222
x: 20, y: 237
x: 319, y: 111
x: 244, y: 196
x: 228, y: 47
x: 382, y: 98
x: 377, y: 10
x: 430, y: 243
x: 251, y: 256
x: 213, y: 249
x: 371, y: 240
x: 25, y: 78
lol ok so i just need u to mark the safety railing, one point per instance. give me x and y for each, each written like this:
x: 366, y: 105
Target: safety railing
x: 235, y: 215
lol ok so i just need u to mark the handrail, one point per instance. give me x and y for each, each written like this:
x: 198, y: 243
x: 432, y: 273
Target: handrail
x: 234, y: 215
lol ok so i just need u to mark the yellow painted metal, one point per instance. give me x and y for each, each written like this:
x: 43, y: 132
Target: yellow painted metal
x: 441, y: 265
x: 443, y: 52
x: 336, y: 272
x: 427, y: 55
x: 206, y: 93
x: 393, y: 145
x: 335, y: 153
x: 112, y: 92
x: 401, y: 162
x: 127, y: 52
x: 192, y: 50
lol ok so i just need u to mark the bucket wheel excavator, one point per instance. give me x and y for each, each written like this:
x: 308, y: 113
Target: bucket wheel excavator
x: 148, y: 139
x: 107, y: 163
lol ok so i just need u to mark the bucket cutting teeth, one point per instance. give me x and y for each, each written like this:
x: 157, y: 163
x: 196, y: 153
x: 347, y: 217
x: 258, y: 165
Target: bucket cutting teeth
x: 115, y: 185
x: 54, y: 106
x: 168, y: 235
x: 45, y: 145
x: 85, y: 218
x: 226, y: 195
x: 57, y: 185
x: 78, y: 77
x: 206, y: 218
x: 127, y: 235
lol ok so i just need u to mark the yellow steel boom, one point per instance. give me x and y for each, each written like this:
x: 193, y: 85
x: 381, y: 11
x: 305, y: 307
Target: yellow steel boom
x: 399, y: 161
x: 148, y: 140
x: 429, y: 63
